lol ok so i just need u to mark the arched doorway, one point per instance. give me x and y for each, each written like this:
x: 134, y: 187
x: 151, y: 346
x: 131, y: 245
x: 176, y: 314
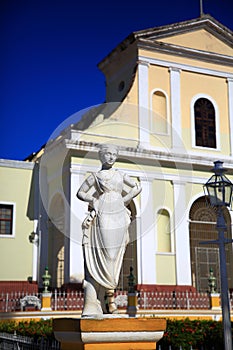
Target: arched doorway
x: 130, y: 257
x: 56, y: 250
x: 202, y: 227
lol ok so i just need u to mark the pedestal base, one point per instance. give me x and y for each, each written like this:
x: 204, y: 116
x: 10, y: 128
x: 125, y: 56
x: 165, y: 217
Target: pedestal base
x: 109, y: 333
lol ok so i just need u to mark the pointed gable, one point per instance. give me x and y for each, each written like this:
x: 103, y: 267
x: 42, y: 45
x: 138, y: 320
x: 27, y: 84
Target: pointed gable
x: 205, y: 22
x: 203, y: 34
x: 200, y: 40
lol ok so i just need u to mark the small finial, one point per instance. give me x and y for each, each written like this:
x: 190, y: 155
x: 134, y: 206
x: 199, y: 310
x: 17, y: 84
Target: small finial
x: 212, y: 282
x: 131, y: 280
x: 46, y: 280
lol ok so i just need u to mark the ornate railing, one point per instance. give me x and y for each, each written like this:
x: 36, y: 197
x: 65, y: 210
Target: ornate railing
x: 65, y: 301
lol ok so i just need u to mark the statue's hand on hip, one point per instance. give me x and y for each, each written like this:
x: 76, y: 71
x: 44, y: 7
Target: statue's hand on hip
x: 95, y: 205
x: 88, y: 220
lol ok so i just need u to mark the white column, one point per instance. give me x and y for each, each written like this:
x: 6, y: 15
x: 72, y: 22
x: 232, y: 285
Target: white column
x: 230, y: 106
x: 143, y: 104
x: 182, y: 243
x: 147, y: 234
x: 176, y: 108
x: 78, y: 211
x: 43, y: 222
x: 35, y: 243
x: 231, y: 216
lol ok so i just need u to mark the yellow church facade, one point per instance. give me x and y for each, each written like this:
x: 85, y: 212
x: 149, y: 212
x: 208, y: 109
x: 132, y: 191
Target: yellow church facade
x: 169, y: 109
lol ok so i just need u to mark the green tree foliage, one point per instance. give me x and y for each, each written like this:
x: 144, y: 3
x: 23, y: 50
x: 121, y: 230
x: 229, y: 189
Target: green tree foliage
x: 35, y: 329
x: 192, y: 333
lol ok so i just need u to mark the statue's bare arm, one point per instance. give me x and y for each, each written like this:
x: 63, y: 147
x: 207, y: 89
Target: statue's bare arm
x: 135, y: 189
x: 85, y: 192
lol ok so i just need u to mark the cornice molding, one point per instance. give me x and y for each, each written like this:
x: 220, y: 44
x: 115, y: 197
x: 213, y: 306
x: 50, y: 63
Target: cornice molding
x: 201, y: 162
x: 188, y: 68
x: 187, y: 52
x: 18, y: 164
x: 143, y: 63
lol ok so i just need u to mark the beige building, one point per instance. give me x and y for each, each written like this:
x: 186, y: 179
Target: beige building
x: 169, y: 108
x: 17, y: 224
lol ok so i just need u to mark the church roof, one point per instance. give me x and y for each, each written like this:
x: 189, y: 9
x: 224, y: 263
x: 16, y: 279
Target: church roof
x: 206, y: 22
x: 155, y: 39
x: 154, y: 36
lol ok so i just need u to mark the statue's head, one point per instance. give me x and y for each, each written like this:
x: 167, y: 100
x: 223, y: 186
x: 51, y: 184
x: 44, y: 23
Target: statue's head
x: 108, y: 154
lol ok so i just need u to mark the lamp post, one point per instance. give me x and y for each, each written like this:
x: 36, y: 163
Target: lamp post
x: 219, y: 190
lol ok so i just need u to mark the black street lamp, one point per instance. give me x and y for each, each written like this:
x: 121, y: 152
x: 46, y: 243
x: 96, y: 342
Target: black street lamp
x: 219, y: 190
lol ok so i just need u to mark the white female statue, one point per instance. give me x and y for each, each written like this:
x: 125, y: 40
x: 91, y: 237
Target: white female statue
x: 105, y: 231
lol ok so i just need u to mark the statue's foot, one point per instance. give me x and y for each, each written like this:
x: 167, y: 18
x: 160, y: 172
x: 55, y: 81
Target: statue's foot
x: 97, y: 316
x: 92, y: 306
x: 112, y: 308
x: 92, y: 311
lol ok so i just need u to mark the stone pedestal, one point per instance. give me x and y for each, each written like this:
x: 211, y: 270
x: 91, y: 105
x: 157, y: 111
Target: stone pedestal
x: 215, y: 303
x: 132, y: 304
x: 109, y: 333
x: 46, y: 302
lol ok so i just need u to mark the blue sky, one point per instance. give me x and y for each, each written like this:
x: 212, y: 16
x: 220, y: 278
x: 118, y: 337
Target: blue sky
x: 50, y: 51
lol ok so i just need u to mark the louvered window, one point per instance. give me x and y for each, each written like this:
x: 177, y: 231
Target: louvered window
x: 205, y: 124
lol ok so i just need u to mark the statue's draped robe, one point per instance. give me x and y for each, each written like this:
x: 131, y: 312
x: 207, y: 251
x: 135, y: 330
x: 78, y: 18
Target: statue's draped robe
x: 106, y: 239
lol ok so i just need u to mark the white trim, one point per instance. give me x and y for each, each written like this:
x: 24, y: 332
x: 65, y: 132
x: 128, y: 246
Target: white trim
x: 191, y: 201
x: 143, y: 104
x: 175, y: 95
x: 78, y: 212
x: 230, y: 106
x: 149, y: 176
x: 147, y: 233
x: 186, y: 157
x: 13, y: 221
x: 231, y: 216
x: 35, y: 251
x: 182, y: 241
x: 139, y: 250
x: 117, y: 337
x: 19, y: 164
x: 186, y: 67
x: 217, y: 130
x: 167, y: 112
x: 166, y: 254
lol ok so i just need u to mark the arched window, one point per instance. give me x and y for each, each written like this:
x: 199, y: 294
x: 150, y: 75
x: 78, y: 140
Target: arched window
x: 159, y: 112
x: 202, y: 227
x: 163, y: 231
x: 205, y: 123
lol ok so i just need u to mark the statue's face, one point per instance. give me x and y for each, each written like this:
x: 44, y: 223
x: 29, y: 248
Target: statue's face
x: 109, y: 156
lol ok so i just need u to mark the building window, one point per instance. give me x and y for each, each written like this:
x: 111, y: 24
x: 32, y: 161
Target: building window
x: 202, y: 228
x: 6, y: 219
x: 159, y: 108
x: 205, y: 124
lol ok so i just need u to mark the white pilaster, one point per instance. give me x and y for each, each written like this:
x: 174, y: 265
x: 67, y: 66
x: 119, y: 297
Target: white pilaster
x: 43, y: 222
x: 78, y: 211
x: 143, y: 108
x: 147, y: 234
x: 35, y: 240
x: 175, y: 108
x: 35, y: 243
x: 230, y: 106
x: 182, y: 244
x: 231, y: 216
